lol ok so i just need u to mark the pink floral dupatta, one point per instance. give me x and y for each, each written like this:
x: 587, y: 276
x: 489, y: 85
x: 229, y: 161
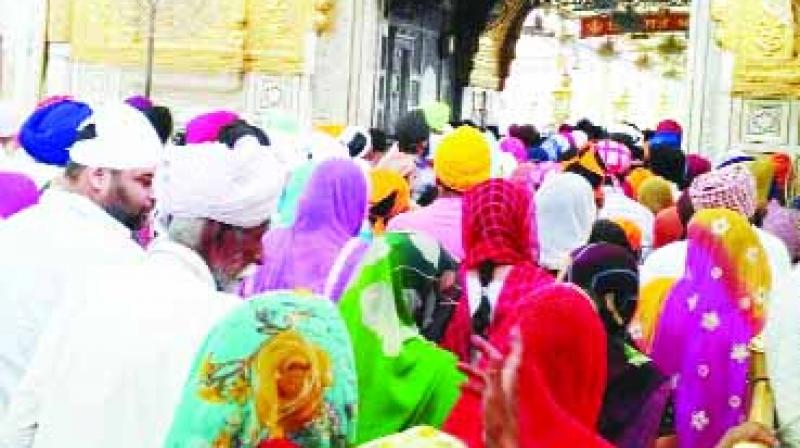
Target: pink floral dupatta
x: 708, y: 321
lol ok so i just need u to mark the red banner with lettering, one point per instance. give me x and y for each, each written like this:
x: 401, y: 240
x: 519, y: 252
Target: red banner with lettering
x: 663, y: 22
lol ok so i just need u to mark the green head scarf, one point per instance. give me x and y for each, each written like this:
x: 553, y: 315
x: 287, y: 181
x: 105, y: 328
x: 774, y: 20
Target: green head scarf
x: 405, y: 379
x: 279, y: 368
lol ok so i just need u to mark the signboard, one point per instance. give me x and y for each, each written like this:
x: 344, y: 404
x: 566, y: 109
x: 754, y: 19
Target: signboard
x: 662, y: 22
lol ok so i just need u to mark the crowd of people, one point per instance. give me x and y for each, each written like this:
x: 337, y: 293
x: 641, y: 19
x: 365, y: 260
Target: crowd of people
x: 223, y: 285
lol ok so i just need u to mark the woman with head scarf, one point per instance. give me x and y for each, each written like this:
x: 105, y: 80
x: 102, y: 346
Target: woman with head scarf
x: 560, y: 379
x: 499, y: 261
x: 405, y: 290
x: 276, y: 372
x: 321, y: 249
x: 784, y: 223
x: 655, y: 193
x: 608, y: 231
x: 565, y: 214
x: 390, y: 195
x: 637, y: 393
x: 712, y: 314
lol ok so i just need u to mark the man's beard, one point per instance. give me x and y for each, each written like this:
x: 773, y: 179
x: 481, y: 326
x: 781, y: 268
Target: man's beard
x: 133, y: 220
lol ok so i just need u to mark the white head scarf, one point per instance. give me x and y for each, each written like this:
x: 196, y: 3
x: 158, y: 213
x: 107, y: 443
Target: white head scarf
x: 125, y: 140
x: 565, y: 214
x: 238, y: 187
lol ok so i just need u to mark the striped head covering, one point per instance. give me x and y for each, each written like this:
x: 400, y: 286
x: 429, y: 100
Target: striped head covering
x: 497, y: 224
x: 615, y: 155
x: 732, y: 187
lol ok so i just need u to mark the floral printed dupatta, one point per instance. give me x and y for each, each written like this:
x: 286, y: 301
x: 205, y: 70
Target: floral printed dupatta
x: 708, y: 320
x: 276, y: 372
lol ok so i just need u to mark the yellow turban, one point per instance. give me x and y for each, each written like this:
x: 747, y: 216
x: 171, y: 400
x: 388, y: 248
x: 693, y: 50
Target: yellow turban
x: 764, y: 171
x: 655, y: 193
x: 384, y: 183
x: 463, y: 159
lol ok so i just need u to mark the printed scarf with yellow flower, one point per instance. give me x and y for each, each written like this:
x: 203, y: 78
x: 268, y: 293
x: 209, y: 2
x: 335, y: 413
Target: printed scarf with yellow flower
x: 277, y: 372
x: 405, y: 379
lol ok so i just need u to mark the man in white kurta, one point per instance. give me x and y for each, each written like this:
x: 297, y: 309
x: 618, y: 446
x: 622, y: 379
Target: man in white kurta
x: 111, y: 371
x: 45, y: 248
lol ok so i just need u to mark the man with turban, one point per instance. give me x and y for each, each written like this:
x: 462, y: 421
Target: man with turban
x: 462, y: 161
x: 84, y: 221
x: 111, y: 373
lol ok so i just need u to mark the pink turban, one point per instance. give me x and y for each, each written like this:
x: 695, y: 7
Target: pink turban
x: 515, y: 147
x: 205, y: 128
x: 616, y: 156
x: 732, y: 187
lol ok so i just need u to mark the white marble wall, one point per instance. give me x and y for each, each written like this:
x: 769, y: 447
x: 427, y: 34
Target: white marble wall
x: 22, y: 28
x: 345, y: 65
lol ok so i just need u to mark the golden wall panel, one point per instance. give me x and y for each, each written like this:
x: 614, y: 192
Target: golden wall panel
x: 191, y: 35
x: 275, y: 42
x: 59, y: 16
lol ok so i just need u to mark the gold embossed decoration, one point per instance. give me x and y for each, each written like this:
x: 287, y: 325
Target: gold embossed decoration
x: 276, y: 35
x: 191, y: 35
x: 764, y: 37
x: 487, y: 71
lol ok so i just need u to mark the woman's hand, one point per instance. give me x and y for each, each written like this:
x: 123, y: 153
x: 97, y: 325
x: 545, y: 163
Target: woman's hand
x: 496, y: 381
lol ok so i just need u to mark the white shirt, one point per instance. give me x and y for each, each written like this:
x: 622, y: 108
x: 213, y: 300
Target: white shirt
x: 43, y: 250
x: 111, y: 371
x: 492, y: 291
x: 670, y: 260
x: 783, y: 355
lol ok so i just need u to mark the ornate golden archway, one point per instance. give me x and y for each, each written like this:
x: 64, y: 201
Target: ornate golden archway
x: 496, y: 44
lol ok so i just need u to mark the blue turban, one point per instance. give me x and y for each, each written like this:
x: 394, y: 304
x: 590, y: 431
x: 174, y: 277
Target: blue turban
x: 50, y: 131
x: 666, y: 139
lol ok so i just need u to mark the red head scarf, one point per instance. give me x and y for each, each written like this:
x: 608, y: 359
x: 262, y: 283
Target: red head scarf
x: 668, y: 227
x: 496, y: 224
x: 562, y: 373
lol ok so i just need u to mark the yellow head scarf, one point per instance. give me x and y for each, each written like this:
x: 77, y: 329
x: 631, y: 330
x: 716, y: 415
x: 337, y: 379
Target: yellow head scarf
x: 652, y: 297
x: 655, y: 193
x: 384, y: 183
x: 462, y: 159
x: 764, y: 171
x: 636, y: 177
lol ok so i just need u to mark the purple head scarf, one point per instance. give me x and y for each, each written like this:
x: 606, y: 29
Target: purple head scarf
x: 711, y: 315
x: 330, y: 214
x: 17, y: 192
x: 515, y: 147
x: 785, y: 224
x: 140, y: 102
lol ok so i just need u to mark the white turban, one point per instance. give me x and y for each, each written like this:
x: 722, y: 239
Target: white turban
x: 124, y: 140
x: 238, y: 187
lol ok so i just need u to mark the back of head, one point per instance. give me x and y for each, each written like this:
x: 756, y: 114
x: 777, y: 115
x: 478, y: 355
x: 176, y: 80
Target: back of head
x: 335, y: 197
x: 379, y: 140
x: 732, y: 187
x: 117, y: 136
x: 564, y: 345
x: 17, y: 192
x: 463, y: 159
x: 232, y: 133
x: 207, y: 181
x: 205, y: 128
x: 51, y: 130
x: 607, y: 231
x: 668, y: 162
x: 161, y: 119
x: 496, y: 224
x: 412, y: 130
x: 357, y: 140
x: 655, y: 193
